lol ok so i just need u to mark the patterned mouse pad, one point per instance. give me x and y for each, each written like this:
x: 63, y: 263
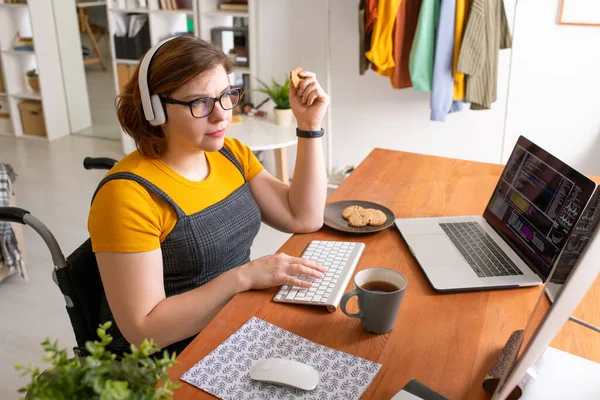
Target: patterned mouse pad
x: 225, y: 372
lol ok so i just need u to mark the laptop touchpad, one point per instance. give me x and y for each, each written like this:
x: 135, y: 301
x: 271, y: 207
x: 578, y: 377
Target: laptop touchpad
x: 419, y: 226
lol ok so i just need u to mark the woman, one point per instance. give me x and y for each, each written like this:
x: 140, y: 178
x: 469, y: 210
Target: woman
x: 173, y: 222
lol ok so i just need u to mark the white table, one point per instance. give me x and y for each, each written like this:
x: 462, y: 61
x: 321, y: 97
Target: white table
x: 260, y: 134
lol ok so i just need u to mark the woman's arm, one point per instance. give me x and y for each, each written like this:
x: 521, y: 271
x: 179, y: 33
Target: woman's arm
x: 298, y: 207
x: 134, y: 287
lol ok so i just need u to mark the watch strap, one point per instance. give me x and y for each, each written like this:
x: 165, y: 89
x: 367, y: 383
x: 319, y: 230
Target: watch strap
x: 310, y: 134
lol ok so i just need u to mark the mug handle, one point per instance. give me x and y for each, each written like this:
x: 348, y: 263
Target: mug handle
x: 345, y: 299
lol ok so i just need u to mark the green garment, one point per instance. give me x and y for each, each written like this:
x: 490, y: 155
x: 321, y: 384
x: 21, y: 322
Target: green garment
x: 423, y: 48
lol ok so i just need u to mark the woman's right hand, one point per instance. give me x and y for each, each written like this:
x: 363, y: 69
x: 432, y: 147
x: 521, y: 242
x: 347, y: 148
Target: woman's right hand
x: 277, y: 269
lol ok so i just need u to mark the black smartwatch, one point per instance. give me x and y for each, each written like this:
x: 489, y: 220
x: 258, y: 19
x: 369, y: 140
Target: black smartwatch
x: 310, y: 134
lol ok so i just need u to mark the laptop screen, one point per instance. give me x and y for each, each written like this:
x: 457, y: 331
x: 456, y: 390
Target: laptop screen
x: 536, y: 204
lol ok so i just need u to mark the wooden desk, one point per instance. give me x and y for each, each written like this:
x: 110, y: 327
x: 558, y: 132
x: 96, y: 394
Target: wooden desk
x: 447, y: 341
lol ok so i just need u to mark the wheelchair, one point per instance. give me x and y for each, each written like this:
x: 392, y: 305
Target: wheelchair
x: 77, y: 276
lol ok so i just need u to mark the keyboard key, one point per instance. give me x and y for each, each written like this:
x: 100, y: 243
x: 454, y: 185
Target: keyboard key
x: 479, y: 250
x: 339, y: 259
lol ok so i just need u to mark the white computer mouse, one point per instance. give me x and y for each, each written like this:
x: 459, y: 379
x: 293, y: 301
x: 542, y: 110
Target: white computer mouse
x: 286, y: 373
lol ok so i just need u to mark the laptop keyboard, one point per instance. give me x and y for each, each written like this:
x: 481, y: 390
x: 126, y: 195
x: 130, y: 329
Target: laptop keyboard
x: 479, y: 250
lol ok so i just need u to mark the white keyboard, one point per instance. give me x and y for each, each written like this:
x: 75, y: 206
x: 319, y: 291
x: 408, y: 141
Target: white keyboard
x: 339, y: 259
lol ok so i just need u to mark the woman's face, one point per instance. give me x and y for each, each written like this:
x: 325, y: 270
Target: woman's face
x: 184, y: 130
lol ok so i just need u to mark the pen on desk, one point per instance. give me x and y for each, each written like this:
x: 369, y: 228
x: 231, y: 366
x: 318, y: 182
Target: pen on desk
x: 586, y: 324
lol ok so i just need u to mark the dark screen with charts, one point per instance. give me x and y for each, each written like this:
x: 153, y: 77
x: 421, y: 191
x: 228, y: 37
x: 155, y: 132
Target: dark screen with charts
x: 581, y: 236
x: 537, y: 203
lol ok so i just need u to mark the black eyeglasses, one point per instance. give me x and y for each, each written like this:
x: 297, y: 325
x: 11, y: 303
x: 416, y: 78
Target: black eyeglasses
x: 203, y: 106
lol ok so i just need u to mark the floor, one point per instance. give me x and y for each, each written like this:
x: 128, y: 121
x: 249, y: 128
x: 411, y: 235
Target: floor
x: 55, y: 188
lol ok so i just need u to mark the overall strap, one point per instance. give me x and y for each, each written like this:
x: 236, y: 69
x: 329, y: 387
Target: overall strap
x: 145, y: 183
x: 229, y: 155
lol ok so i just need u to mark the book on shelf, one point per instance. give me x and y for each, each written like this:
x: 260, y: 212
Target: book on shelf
x: 235, y: 5
x: 173, y: 5
x: 185, y: 4
x: 23, y: 43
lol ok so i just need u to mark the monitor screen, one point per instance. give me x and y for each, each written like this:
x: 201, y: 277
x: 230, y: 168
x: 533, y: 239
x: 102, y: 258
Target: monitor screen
x: 536, y: 204
x: 579, y: 238
x: 545, y: 307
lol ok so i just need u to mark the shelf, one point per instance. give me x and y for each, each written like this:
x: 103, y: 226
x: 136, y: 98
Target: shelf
x: 183, y: 10
x: 27, y: 95
x: 7, y: 134
x: 147, y: 11
x: 85, y: 4
x: 225, y: 13
x: 127, y: 61
x: 13, y: 5
x: 19, y: 52
x: 130, y: 10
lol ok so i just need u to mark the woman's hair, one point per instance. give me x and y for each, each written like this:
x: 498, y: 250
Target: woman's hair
x: 173, y: 65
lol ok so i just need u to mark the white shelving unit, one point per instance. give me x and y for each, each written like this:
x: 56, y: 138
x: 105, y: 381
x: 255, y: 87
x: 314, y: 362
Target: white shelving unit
x: 49, y: 26
x: 211, y: 17
x: 162, y: 24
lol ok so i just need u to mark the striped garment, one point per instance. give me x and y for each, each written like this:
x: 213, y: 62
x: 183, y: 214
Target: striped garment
x: 10, y: 256
x: 487, y: 32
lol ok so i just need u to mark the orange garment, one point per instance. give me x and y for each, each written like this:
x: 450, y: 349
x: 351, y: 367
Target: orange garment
x: 462, y: 13
x: 371, y: 15
x: 382, y: 44
x: 404, y: 34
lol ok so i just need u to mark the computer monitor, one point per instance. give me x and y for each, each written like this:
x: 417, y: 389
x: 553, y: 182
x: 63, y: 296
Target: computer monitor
x: 548, y: 318
x: 579, y: 238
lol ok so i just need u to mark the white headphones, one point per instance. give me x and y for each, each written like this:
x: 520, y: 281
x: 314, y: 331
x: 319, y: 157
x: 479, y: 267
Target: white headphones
x: 152, y: 105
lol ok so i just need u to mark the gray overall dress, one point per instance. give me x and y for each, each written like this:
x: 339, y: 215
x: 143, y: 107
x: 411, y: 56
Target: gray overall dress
x: 200, y: 247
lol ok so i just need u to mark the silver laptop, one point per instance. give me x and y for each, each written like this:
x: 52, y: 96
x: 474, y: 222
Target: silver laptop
x: 523, y: 230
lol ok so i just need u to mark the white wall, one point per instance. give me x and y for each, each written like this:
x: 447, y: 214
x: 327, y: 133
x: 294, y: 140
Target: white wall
x: 367, y: 112
x: 555, y: 86
x: 291, y: 33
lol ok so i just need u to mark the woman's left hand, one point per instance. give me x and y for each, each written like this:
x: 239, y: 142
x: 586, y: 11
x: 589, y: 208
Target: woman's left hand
x: 309, y: 103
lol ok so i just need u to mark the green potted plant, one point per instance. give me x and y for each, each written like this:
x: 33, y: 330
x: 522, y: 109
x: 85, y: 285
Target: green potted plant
x: 280, y: 95
x: 34, y: 80
x: 140, y: 375
x: 232, y: 54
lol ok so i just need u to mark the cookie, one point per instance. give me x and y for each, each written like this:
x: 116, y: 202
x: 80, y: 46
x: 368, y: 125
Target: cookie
x: 378, y: 217
x: 359, y: 218
x: 348, y: 211
x: 295, y: 77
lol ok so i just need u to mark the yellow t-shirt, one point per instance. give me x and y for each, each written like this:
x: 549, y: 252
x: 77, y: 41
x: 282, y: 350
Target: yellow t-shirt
x: 125, y: 217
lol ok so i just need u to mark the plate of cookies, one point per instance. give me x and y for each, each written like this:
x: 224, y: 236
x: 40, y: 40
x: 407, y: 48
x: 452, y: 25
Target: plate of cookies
x: 357, y: 216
